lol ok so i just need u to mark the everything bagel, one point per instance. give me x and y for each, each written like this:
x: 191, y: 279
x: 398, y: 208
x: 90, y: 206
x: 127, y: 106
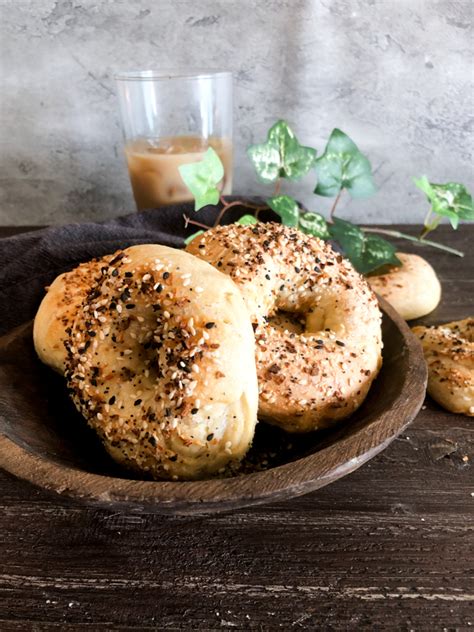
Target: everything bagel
x: 309, y: 380
x: 58, y: 309
x: 449, y: 354
x: 161, y: 362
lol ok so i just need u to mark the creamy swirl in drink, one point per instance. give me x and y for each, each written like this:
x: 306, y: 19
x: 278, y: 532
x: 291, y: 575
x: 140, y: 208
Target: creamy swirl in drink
x: 153, y: 167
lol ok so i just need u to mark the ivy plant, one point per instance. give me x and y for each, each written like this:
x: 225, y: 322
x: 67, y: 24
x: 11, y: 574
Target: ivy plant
x: 451, y: 200
x: 281, y: 156
x: 203, y: 177
x: 341, y: 167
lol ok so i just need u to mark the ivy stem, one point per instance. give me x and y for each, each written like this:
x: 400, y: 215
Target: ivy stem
x: 429, y: 227
x: 227, y: 205
x: 426, y: 224
x: 418, y: 240
x: 277, y: 187
x: 188, y: 220
x: 426, y: 230
x: 333, y: 207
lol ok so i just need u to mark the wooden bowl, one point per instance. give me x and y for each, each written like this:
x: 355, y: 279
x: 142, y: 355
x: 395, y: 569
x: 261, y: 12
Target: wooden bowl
x: 44, y: 440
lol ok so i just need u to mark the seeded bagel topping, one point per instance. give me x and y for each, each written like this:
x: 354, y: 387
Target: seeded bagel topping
x: 310, y: 377
x: 135, y: 339
x: 449, y: 354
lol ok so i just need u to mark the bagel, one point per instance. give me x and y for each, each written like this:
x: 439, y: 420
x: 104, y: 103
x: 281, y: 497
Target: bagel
x: 449, y: 354
x: 313, y: 379
x: 57, y: 311
x: 413, y: 289
x: 161, y: 362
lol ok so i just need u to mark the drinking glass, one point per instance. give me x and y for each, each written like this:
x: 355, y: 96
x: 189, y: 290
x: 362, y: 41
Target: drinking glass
x: 170, y: 120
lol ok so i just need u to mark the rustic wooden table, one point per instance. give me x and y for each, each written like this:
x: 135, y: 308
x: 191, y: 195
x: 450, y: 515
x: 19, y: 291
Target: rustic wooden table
x: 389, y: 547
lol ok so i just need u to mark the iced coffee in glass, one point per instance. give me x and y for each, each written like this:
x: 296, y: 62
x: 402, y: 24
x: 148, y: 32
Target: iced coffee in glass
x: 170, y: 120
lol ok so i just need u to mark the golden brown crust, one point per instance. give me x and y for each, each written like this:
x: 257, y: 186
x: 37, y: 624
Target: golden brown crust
x: 449, y: 353
x: 161, y: 363
x: 57, y: 311
x: 308, y: 380
x: 412, y: 289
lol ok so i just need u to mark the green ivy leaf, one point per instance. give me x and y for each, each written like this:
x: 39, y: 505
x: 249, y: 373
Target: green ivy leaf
x: 189, y: 239
x: 247, y: 220
x: 286, y: 207
x: 366, y: 252
x: 450, y: 200
x: 343, y: 166
x: 281, y: 156
x: 202, y: 178
x: 377, y: 253
x: 314, y: 224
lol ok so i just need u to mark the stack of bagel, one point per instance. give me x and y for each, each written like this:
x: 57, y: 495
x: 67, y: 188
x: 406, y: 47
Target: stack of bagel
x: 170, y: 355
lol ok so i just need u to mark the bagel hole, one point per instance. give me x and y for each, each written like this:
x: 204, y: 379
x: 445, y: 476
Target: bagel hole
x: 287, y: 321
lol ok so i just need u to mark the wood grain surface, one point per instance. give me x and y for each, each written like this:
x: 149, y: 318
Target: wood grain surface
x: 389, y: 547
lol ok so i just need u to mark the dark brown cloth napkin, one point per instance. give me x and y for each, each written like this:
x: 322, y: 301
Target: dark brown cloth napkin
x: 30, y: 261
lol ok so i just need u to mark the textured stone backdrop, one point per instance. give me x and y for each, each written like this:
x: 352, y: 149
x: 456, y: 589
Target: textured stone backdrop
x: 394, y: 74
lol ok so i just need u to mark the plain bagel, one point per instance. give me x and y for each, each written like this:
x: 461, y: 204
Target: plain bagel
x: 161, y: 363
x: 309, y: 380
x: 449, y: 353
x: 413, y: 289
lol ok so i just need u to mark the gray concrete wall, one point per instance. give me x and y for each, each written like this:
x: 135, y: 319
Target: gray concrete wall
x: 397, y: 75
